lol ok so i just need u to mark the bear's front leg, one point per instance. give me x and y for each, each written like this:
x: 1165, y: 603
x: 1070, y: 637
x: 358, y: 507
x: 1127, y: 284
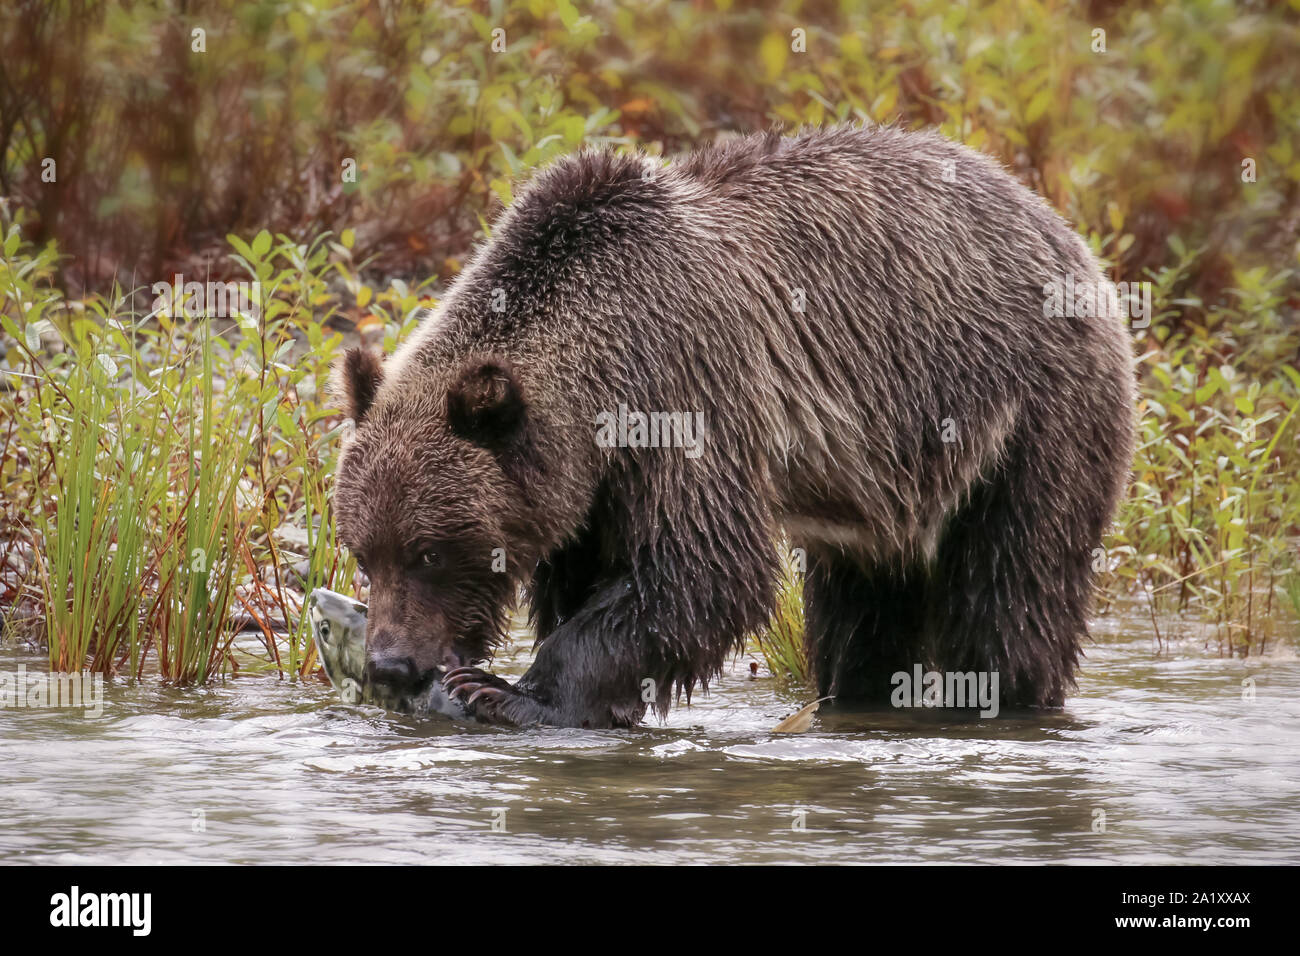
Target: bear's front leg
x: 494, y: 700
x: 595, y: 670
x: 693, y: 580
x: 627, y: 649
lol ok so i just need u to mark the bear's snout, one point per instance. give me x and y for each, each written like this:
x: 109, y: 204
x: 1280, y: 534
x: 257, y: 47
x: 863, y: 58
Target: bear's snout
x: 398, y: 663
x: 392, y: 671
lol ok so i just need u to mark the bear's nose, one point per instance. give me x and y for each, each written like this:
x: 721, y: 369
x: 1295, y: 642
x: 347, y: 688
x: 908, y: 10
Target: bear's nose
x: 387, y: 670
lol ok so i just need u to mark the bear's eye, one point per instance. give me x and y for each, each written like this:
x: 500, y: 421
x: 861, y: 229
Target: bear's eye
x: 431, y: 559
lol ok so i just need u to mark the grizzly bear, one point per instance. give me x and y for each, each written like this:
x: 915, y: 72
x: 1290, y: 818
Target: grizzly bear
x: 652, y: 374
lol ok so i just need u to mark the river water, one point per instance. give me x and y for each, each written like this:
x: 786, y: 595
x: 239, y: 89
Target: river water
x: 1158, y: 758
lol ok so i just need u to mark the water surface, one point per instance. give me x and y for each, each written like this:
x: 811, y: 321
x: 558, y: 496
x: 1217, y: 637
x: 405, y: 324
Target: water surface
x: 257, y: 770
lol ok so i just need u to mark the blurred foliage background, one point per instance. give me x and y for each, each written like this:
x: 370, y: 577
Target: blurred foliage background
x: 143, y: 139
x: 162, y: 151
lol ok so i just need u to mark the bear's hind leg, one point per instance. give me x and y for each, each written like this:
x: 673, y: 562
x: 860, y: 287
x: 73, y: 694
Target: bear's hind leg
x: 863, y: 625
x: 1012, y: 578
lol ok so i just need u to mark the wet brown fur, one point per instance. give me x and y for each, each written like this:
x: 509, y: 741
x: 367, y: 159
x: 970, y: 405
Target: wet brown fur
x: 615, y: 279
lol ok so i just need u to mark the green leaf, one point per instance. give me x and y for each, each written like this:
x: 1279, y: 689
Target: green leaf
x: 568, y: 14
x: 772, y: 53
x: 32, y: 334
x: 240, y: 246
x: 285, y: 421
x: 502, y: 189
x: 511, y: 159
x: 1038, y: 105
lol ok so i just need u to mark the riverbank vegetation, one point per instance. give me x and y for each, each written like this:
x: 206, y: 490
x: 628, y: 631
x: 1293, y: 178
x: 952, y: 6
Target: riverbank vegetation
x: 165, y: 460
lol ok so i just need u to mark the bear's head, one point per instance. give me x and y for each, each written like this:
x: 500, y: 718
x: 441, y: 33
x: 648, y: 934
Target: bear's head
x: 428, y: 500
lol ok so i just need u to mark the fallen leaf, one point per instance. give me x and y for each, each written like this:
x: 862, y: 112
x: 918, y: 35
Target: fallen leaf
x: 800, y: 720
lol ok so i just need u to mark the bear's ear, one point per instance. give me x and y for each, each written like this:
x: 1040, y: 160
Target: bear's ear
x: 356, y: 379
x: 485, y: 403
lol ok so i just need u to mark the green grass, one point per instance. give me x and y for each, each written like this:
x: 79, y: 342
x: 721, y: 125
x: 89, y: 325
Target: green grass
x: 1210, y: 523
x: 150, y: 459
x: 781, y: 642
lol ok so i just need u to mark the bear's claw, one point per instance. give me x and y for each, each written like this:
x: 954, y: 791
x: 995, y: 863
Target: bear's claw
x: 495, y: 693
x: 462, y: 676
x: 490, y: 698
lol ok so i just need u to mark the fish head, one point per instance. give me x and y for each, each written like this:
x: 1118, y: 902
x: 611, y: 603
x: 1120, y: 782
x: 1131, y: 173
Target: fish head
x: 338, y: 626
